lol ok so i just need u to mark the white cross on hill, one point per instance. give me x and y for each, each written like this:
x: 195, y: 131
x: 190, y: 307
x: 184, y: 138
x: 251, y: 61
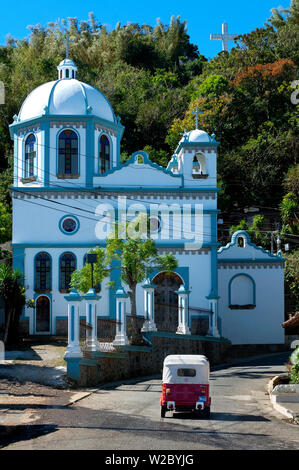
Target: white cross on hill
x: 224, y: 37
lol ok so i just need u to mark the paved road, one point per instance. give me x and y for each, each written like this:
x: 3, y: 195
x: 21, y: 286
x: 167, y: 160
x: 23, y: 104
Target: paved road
x: 127, y: 416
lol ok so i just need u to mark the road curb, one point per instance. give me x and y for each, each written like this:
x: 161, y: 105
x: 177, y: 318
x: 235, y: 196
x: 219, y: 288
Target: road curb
x: 282, y: 409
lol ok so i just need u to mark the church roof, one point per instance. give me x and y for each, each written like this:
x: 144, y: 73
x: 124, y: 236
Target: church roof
x: 67, y: 97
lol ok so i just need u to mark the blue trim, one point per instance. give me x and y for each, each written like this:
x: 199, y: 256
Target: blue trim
x: 16, y: 166
x: 102, y: 243
x: 240, y: 275
x: 138, y: 189
x: 64, y: 117
x: 184, y: 144
x: 90, y: 151
x: 114, y: 277
x: 72, y: 323
x: 213, y: 258
x: 69, y: 216
x: 146, y: 161
x: 234, y: 242
x: 45, y: 152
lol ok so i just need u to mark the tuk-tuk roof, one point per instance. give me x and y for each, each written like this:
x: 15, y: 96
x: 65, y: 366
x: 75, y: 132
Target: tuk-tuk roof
x: 175, y: 362
x: 186, y: 359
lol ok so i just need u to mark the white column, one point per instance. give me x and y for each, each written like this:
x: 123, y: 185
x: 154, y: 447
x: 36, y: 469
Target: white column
x: 183, y: 327
x: 73, y: 347
x: 149, y: 306
x: 213, y: 330
x: 121, y: 338
x: 91, y: 320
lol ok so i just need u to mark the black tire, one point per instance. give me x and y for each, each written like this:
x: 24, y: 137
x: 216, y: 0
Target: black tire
x: 206, y: 413
x: 163, y: 411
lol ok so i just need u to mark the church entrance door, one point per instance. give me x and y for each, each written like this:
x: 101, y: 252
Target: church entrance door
x: 166, y: 301
x: 42, y: 311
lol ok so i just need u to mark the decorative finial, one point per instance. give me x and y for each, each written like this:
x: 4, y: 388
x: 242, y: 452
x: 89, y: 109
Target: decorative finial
x: 197, y: 112
x: 185, y: 135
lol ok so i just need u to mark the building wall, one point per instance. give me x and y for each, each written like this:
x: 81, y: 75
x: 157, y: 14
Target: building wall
x: 258, y: 325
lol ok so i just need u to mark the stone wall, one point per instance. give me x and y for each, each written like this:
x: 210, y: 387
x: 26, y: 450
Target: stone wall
x: 138, y: 361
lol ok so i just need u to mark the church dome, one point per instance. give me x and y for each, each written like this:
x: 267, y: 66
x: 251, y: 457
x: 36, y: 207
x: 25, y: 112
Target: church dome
x: 66, y: 96
x: 198, y: 135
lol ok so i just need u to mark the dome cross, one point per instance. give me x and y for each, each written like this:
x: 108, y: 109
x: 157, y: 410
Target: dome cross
x: 67, y: 41
x: 197, y: 113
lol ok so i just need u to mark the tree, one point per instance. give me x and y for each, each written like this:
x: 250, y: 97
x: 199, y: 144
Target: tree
x: 13, y: 294
x: 137, y: 257
x: 82, y: 278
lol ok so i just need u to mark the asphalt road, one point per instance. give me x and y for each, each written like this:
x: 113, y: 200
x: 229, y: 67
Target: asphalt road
x: 127, y: 416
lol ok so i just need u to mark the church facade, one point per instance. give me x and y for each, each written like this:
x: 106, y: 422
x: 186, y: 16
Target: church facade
x: 70, y: 188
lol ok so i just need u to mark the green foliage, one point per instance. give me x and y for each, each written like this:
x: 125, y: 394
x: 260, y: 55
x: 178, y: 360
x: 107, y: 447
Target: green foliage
x: 295, y: 366
x: 254, y: 230
x: 289, y: 208
x: 5, y: 224
x: 138, y: 255
x: 291, y: 273
x: 81, y: 278
x: 13, y: 294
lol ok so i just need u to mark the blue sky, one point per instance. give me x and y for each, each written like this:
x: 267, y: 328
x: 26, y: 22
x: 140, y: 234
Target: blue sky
x: 203, y: 17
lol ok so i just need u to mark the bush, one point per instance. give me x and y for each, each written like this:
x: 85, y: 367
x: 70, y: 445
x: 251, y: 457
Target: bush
x: 295, y: 366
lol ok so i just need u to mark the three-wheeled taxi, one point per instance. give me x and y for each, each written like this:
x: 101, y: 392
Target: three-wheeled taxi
x: 185, y: 384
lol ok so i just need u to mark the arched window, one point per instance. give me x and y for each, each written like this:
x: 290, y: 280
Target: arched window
x: 43, y: 272
x: 68, y: 153
x: 199, y: 168
x: 242, y: 292
x: 104, y: 154
x: 67, y: 266
x: 30, y: 156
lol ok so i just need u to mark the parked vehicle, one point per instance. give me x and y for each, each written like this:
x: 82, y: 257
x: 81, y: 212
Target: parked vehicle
x: 185, y: 384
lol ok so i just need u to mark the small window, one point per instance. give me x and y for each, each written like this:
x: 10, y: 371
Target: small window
x: 241, y: 242
x: 139, y: 159
x: 104, y: 154
x: 68, y: 153
x: 186, y: 372
x: 154, y: 224
x: 30, y: 156
x: 67, y: 266
x: 69, y: 225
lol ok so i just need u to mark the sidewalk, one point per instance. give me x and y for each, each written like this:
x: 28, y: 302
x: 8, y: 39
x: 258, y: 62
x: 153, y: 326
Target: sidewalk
x: 284, y: 398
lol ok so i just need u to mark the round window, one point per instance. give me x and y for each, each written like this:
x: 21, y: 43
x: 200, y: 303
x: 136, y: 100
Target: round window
x: 69, y: 225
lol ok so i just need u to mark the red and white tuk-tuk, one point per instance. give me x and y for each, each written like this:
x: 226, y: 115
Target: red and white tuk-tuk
x: 185, y: 384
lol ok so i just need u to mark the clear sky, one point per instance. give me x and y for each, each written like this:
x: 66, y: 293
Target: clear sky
x: 203, y: 17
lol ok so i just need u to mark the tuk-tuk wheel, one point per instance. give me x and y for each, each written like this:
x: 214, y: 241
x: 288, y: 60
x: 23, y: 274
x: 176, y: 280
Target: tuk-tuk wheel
x: 163, y: 411
x: 206, y: 412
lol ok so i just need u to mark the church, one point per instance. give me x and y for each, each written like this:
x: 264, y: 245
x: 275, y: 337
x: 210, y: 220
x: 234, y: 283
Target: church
x: 69, y: 184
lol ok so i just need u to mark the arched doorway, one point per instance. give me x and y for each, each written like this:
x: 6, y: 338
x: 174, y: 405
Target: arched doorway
x: 166, y: 300
x: 42, y: 313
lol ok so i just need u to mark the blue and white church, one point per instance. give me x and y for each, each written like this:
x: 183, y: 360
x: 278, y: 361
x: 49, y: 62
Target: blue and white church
x: 67, y: 145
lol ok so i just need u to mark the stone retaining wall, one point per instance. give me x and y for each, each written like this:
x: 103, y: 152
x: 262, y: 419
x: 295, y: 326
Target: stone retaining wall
x: 138, y: 361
